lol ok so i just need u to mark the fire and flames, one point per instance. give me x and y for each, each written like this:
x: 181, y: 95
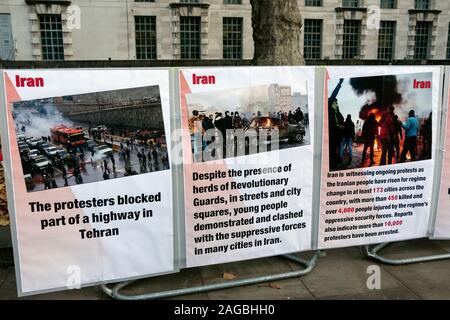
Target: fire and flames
x: 378, y: 115
x: 385, y: 94
x: 376, y: 112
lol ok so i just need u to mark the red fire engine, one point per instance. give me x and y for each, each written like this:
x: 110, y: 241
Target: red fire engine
x: 67, y: 136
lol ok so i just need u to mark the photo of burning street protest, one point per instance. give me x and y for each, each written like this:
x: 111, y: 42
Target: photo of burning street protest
x: 78, y: 139
x: 379, y: 120
x: 233, y: 123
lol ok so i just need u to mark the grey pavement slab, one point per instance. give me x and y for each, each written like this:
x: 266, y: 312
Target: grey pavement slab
x: 389, y: 294
x: 414, y: 248
x: 291, y: 288
x: 184, y: 279
x: 429, y: 280
x: 5, y: 237
x: 444, y: 245
x: 339, y: 274
x: 8, y: 288
x: 344, y: 272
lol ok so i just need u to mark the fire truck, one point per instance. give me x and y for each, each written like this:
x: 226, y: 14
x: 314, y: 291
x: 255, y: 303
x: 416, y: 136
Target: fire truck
x: 68, y: 136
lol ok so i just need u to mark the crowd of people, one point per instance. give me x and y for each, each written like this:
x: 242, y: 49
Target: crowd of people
x: 234, y: 120
x: 389, y: 132
x: 150, y: 157
x: 199, y: 123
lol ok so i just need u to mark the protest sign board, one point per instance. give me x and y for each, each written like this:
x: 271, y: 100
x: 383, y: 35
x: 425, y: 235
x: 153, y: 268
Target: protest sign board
x: 248, y: 137
x: 379, y: 146
x: 90, y: 192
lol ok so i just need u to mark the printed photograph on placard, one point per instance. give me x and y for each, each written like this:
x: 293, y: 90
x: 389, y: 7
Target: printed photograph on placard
x: 78, y: 139
x: 249, y: 120
x: 379, y: 120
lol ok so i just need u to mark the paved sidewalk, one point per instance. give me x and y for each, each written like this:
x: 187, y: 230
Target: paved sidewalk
x: 340, y: 274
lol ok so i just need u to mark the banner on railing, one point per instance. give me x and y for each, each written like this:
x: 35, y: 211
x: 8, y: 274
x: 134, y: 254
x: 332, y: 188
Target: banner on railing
x: 248, y: 137
x: 380, y: 132
x: 89, y: 166
x: 442, y: 222
x: 91, y: 180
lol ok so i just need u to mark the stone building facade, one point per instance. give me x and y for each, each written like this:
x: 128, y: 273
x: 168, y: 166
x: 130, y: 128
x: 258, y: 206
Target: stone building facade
x: 218, y: 29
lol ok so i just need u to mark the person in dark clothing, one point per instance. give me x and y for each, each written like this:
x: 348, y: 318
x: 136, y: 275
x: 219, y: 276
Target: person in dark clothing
x: 387, y: 133
x: 149, y: 159
x: 207, y: 124
x: 47, y: 182
x: 299, y: 117
x: 428, y: 137
x: 369, y: 133
x: 219, y: 123
x: 144, y: 162
x: 291, y: 117
x: 228, y: 121
x: 335, y: 123
x: 105, y: 164
x: 51, y: 169
x: 77, y: 174
x: 347, y: 140
x: 237, y: 123
x: 155, y: 159
x: 398, y: 136
x: 128, y: 155
x: 53, y: 181
x: 64, y: 174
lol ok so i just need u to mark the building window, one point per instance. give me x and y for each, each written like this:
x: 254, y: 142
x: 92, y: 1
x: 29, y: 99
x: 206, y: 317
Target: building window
x: 388, y: 4
x: 422, y: 4
x: 386, y: 40
x: 313, y: 3
x: 448, y: 43
x: 232, y: 38
x: 352, y: 39
x: 51, y: 37
x: 312, y: 46
x: 6, y: 38
x: 232, y: 1
x: 145, y: 27
x: 190, y: 37
x: 422, y: 40
x: 189, y: 1
x: 351, y: 3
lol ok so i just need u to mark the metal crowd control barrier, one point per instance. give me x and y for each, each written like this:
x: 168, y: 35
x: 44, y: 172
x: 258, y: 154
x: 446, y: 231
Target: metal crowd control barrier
x: 373, y: 254
x: 309, y: 265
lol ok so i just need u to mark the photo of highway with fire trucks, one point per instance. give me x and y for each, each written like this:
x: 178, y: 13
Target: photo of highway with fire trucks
x: 78, y: 139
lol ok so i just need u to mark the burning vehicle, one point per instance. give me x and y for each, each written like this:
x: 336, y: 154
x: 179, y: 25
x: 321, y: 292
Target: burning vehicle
x: 288, y: 132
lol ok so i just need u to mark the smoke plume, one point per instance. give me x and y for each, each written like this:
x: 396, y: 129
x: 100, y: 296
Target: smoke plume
x: 384, y: 90
x: 38, y: 120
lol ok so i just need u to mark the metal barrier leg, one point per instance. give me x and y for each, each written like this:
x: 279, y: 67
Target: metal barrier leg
x: 373, y: 254
x: 309, y: 265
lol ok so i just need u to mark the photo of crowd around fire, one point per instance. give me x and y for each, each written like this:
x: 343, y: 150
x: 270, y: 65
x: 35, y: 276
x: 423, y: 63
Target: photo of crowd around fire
x: 379, y: 120
x: 78, y: 139
x: 247, y: 114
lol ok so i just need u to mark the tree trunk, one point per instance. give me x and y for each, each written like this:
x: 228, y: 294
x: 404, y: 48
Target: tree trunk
x: 276, y: 32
